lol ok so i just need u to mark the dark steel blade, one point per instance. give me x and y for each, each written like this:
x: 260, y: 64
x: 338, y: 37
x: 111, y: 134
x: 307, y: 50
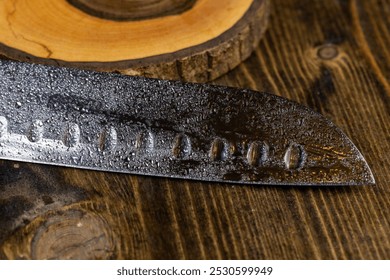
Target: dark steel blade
x: 135, y: 125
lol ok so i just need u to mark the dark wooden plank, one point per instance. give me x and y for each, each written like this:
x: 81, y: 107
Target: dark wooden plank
x: 329, y: 55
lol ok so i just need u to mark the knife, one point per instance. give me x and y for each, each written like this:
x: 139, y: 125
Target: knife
x: 109, y: 122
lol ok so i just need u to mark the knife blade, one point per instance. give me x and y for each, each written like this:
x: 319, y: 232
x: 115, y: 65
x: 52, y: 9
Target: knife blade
x: 109, y: 122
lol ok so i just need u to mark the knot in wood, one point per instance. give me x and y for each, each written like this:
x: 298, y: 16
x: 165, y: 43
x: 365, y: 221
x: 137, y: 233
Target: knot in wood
x: 73, y: 234
x: 327, y: 52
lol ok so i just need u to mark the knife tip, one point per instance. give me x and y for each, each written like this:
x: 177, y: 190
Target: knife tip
x: 370, y: 179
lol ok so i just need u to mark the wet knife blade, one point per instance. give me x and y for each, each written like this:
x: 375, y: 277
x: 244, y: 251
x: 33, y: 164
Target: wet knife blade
x: 110, y: 122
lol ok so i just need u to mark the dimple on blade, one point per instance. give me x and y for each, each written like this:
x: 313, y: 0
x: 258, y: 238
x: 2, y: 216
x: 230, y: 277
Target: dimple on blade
x: 109, y: 122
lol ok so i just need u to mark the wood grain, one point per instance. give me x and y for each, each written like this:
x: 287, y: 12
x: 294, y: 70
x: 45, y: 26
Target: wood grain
x: 329, y: 55
x: 199, y: 44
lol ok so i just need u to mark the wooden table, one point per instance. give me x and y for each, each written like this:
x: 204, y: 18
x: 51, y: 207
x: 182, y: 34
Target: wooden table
x: 332, y: 56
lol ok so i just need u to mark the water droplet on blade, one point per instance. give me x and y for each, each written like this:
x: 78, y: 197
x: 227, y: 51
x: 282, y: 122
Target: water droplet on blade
x: 35, y: 132
x: 295, y: 157
x: 3, y: 126
x: 217, y: 151
x: 257, y: 153
x: 144, y: 141
x: 72, y: 135
x: 108, y: 139
x: 181, y: 146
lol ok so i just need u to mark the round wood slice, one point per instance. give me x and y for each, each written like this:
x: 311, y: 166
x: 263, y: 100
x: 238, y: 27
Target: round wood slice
x: 191, y: 40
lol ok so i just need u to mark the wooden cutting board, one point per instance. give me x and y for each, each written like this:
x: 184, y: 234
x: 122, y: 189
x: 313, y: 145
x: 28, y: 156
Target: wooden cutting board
x: 191, y: 40
x: 329, y: 55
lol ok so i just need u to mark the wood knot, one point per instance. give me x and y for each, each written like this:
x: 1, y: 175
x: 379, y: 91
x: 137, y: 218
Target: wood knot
x: 328, y: 52
x: 73, y: 234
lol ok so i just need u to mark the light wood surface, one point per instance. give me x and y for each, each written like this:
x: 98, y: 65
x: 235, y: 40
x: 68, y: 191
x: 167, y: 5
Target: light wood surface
x: 198, y: 44
x: 328, y: 55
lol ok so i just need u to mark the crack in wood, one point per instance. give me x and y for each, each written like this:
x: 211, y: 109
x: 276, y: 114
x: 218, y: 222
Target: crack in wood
x: 9, y: 15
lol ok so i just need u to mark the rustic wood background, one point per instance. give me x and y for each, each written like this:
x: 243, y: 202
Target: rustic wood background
x: 332, y: 56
